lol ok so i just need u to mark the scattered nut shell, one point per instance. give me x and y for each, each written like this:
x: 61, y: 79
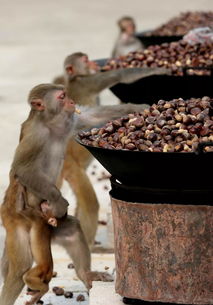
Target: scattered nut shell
x: 80, y: 298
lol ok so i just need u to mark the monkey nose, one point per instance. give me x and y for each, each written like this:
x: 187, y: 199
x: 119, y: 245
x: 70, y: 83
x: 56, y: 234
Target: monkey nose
x: 70, y: 101
x: 69, y: 105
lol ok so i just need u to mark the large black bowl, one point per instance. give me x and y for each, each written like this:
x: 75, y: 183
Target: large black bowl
x: 148, y: 39
x: 157, y: 170
x: 153, y: 88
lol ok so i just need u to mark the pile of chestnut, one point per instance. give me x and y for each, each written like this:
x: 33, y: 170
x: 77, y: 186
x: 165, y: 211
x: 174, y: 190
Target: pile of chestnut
x: 168, y: 126
x: 174, y: 55
x: 183, y: 23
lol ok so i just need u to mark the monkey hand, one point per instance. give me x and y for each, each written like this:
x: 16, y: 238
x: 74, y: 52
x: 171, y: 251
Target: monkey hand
x: 59, y: 207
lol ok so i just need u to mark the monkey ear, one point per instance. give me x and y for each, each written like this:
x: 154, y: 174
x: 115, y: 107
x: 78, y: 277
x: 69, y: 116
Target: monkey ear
x: 69, y: 69
x: 37, y: 104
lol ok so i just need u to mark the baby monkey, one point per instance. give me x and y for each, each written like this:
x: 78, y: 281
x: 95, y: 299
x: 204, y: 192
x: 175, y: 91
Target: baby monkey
x: 48, y: 214
x: 43, y: 210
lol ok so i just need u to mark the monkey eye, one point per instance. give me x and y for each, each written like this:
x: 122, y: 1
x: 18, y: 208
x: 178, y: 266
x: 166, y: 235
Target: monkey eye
x: 85, y: 59
x: 61, y: 96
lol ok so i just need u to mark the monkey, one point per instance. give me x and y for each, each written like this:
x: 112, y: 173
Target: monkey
x: 33, y: 176
x: 126, y: 41
x: 84, y: 87
x: 45, y: 210
x: 93, y: 68
x: 36, y: 166
x: 47, y: 214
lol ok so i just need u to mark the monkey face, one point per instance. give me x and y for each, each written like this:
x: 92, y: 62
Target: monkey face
x: 64, y: 102
x: 58, y: 101
x: 82, y: 65
x: 128, y: 27
x: 93, y: 67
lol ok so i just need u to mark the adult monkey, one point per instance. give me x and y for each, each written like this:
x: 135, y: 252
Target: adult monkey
x: 84, y: 83
x: 36, y: 166
x: 34, y: 172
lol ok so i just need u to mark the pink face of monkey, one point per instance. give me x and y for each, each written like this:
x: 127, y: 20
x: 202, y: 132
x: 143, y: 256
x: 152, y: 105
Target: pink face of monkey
x: 57, y: 100
x: 65, y: 102
x: 84, y: 66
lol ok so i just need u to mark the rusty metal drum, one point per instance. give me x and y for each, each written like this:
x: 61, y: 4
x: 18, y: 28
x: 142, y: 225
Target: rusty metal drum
x: 163, y: 251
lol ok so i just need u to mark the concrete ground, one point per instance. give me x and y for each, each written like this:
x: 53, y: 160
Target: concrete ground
x: 35, y: 37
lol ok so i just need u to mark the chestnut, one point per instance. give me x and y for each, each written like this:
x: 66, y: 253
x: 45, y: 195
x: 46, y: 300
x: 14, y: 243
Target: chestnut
x: 168, y: 126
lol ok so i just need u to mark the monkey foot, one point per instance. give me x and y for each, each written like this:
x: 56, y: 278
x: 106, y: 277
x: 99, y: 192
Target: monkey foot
x: 35, y: 298
x: 100, y: 276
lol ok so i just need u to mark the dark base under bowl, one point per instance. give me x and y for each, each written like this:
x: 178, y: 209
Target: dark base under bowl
x: 141, y: 302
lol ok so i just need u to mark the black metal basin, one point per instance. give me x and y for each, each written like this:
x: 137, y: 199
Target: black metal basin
x: 153, y: 88
x: 157, y: 170
x: 148, y: 40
